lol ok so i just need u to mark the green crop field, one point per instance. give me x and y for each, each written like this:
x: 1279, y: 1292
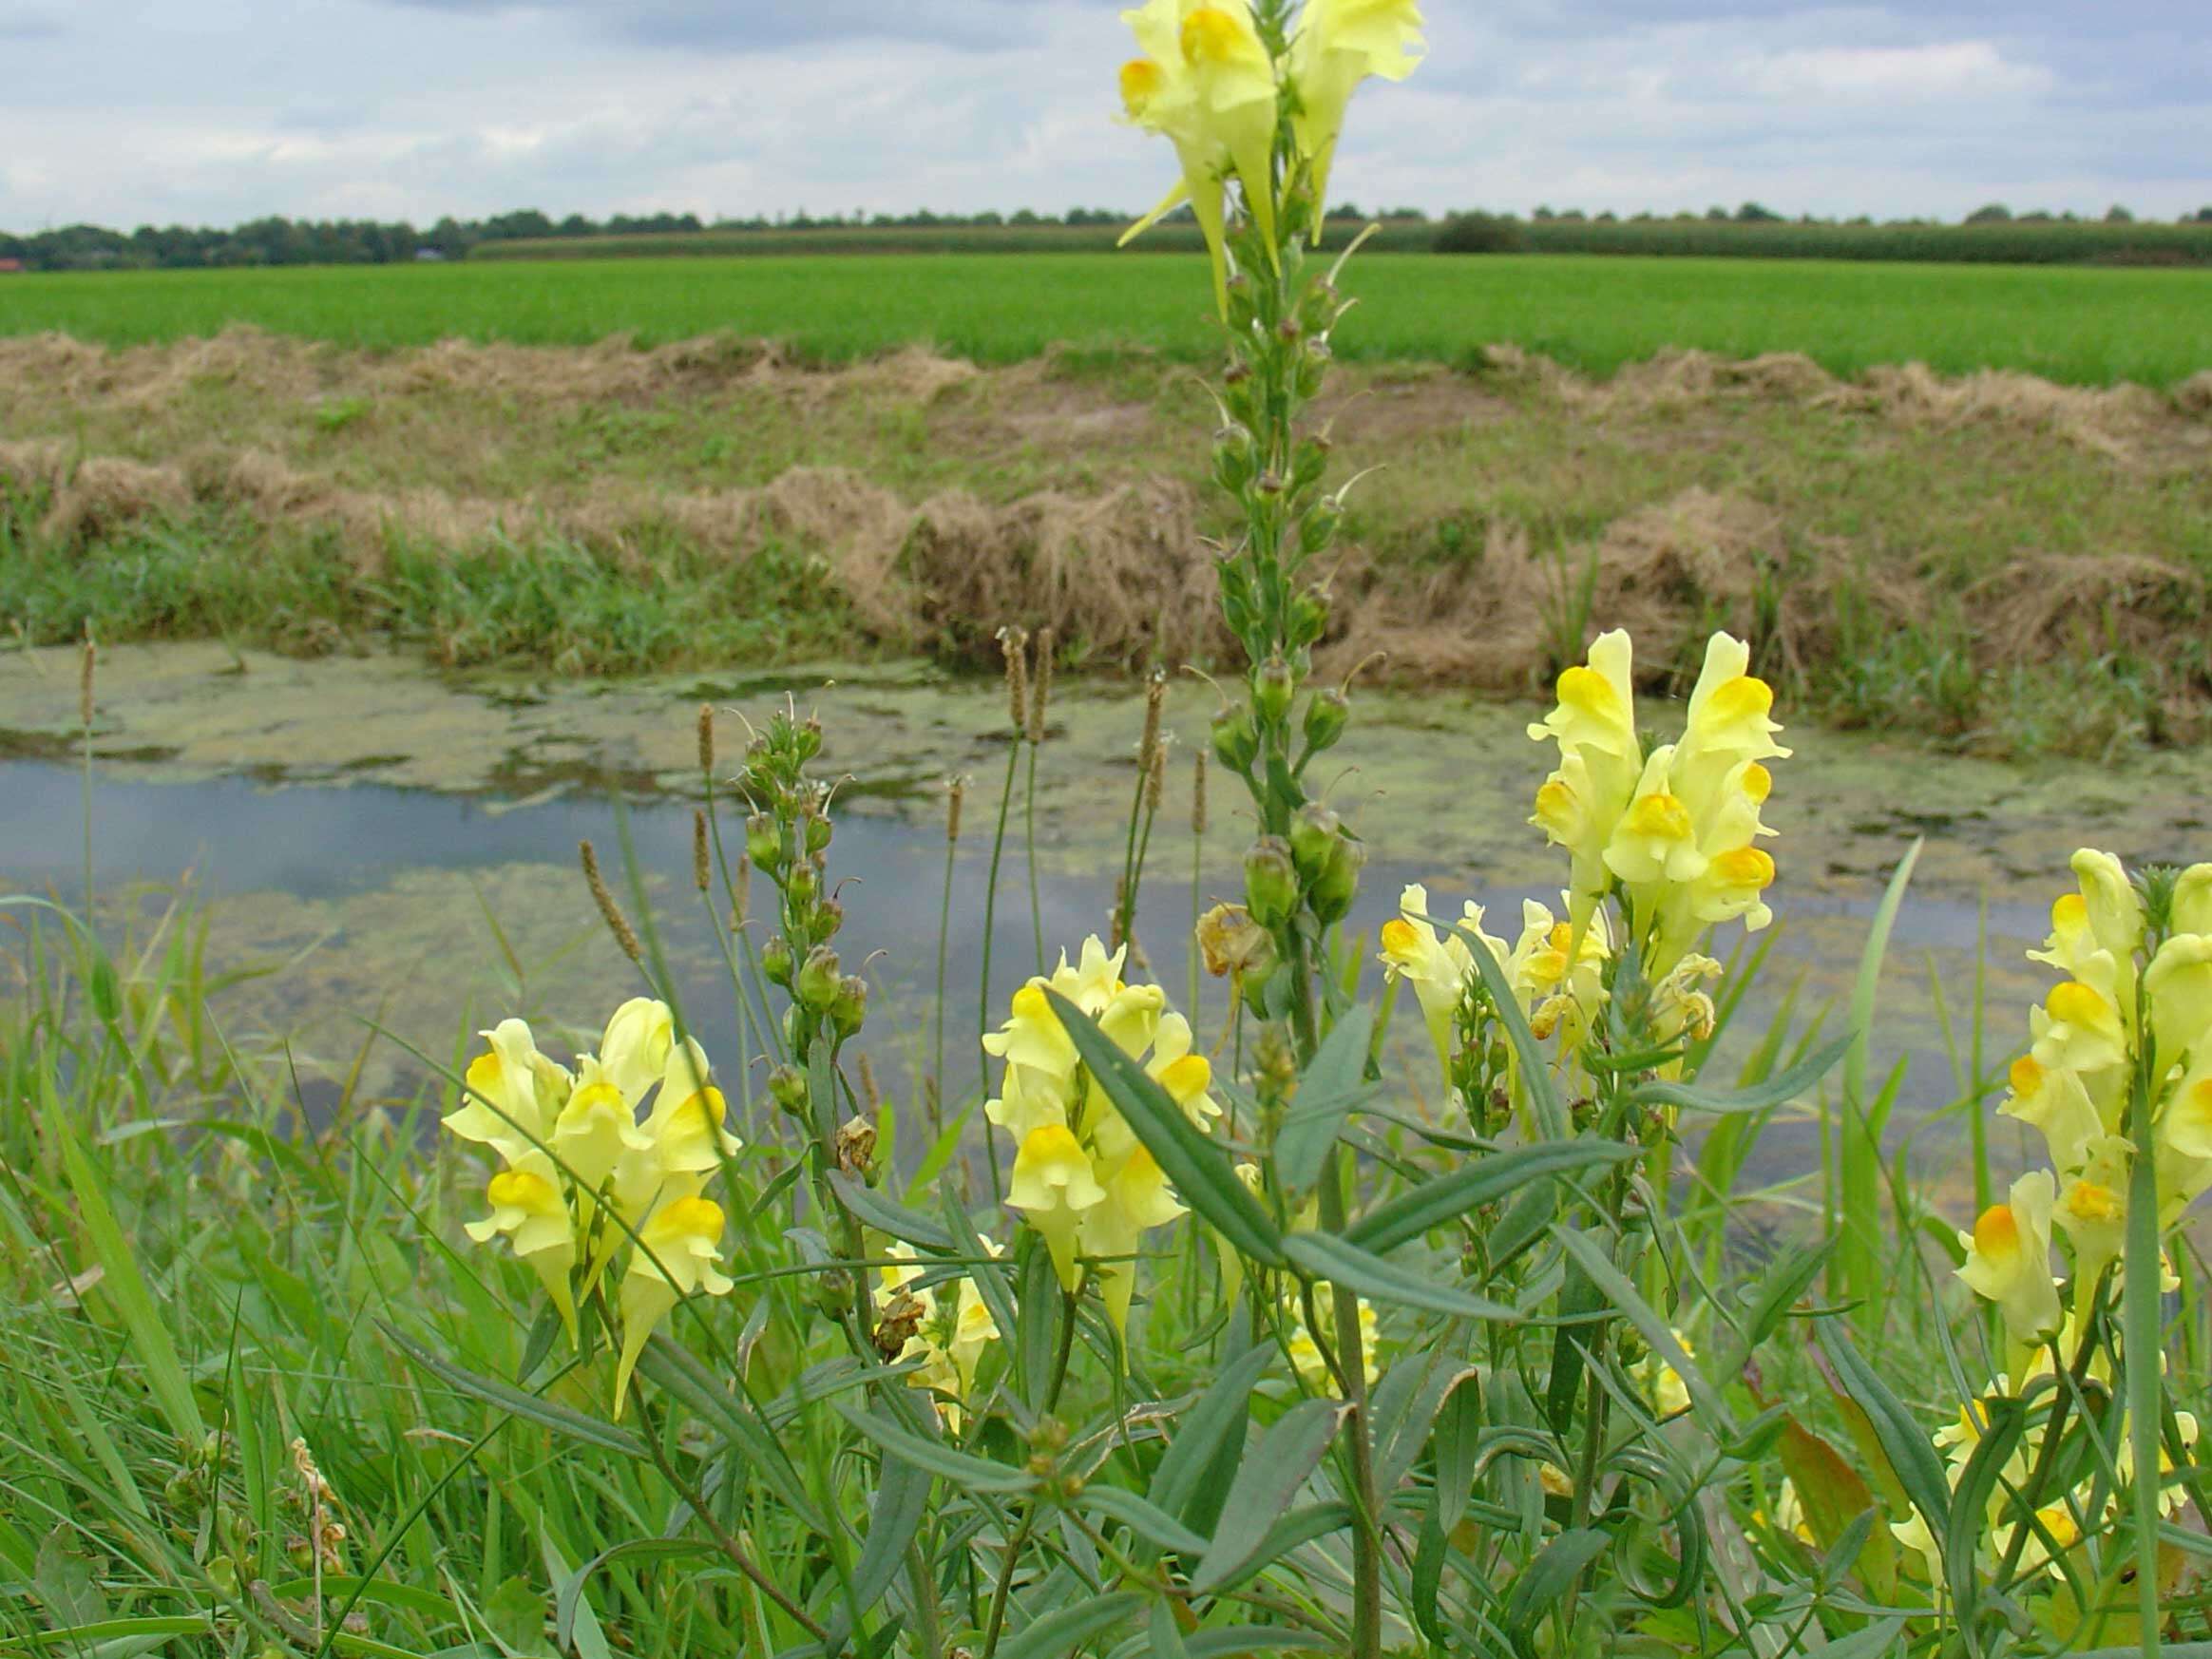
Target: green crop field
x: 2078, y: 325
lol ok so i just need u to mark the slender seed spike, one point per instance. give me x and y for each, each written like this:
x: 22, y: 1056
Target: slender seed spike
x: 1155, y: 695
x: 869, y: 1091
x: 85, y: 676
x: 741, y: 900
x: 1014, y: 644
x: 1041, y: 690
x: 1155, y: 783
x: 617, y: 923
x: 702, y: 866
x: 955, y: 796
x: 707, y: 740
x: 1198, y: 792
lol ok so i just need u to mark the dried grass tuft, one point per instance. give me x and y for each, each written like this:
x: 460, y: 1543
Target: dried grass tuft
x: 107, y: 493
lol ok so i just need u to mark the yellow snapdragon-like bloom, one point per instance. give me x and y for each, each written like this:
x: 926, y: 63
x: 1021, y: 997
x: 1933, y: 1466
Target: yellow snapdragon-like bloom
x: 2053, y: 1099
x: 1206, y: 84
x: 513, y: 1094
x: 1339, y: 43
x: 1550, y: 994
x: 1081, y: 1177
x: 2184, y: 1143
x: 1305, y: 1353
x: 2008, y: 1258
x: 1437, y: 965
x: 678, y: 1244
x: 2192, y: 899
x: 2179, y: 984
x: 584, y: 1179
x: 1600, y: 761
x: 1663, y: 1388
x: 2092, y: 1208
x: 949, y: 1337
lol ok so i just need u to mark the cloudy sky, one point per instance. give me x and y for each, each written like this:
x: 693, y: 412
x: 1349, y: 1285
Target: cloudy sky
x: 213, y: 111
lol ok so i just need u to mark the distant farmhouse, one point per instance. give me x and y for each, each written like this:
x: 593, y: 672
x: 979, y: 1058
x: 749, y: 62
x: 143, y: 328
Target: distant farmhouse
x: 9, y: 267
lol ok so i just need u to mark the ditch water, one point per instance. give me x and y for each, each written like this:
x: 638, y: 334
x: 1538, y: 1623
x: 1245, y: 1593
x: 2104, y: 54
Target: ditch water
x: 398, y: 850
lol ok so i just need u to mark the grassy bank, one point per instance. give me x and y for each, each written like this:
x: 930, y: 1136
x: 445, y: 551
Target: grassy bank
x: 1592, y: 313
x: 1991, y: 562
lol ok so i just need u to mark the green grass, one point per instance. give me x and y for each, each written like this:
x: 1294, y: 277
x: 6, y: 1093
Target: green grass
x: 2082, y: 326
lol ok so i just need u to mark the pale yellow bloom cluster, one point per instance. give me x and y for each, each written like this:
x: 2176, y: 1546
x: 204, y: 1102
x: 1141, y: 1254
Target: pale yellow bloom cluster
x: 2114, y: 1010
x: 1205, y: 81
x: 582, y: 1172
x: 950, y: 1332
x: 1440, y: 966
x: 1674, y: 831
x: 2063, y: 1519
x: 1081, y: 1178
x: 1662, y: 1385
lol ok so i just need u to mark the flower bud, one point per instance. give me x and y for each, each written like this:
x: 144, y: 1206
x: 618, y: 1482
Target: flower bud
x: 1308, y: 618
x: 817, y: 986
x: 1274, y: 689
x: 1270, y: 882
x: 1338, y: 882
x: 1326, y: 714
x: 1313, y: 368
x: 787, y: 1087
x: 849, y: 1011
x: 775, y: 962
x: 1318, y: 529
x: 764, y: 841
x: 802, y: 884
x: 1313, y: 836
x: 1236, y: 743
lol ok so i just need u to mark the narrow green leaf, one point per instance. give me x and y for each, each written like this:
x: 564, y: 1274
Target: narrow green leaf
x: 1266, y: 1482
x: 1859, y: 1259
x: 1218, y: 1420
x: 2144, y: 1355
x: 1657, y: 1334
x: 1535, y: 1066
x: 1295, y: 1530
x: 1479, y: 1182
x: 1784, y: 1086
x: 573, y: 1425
x: 1400, y: 1435
x: 1789, y: 1278
x: 1071, y: 1627
x: 975, y: 1473
x: 1147, y: 1520
x: 886, y: 1218
x: 677, y: 1370
x: 1546, y: 1580
x: 1326, y: 1093
x: 1904, y: 1444
x: 902, y: 1502
x: 1326, y: 1256
x: 126, y: 1286
x: 1197, y: 1167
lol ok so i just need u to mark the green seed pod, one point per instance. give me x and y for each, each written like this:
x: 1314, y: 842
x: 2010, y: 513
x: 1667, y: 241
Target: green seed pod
x: 829, y: 918
x: 787, y: 1087
x: 775, y: 962
x: 1318, y: 529
x: 1326, y: 714
x: 1235, y: 458
x: 802, y: 884
x: 818, y: 834
x: 807, y: 742
x: 818, y: 975
x: 1309, y: 464
x: 849, y: 1011
x: 1308, y: 618
x: 1314, y: 834
x: 764, y: 841
x: 1338, y: 882
x: 1273, y: 690
x: 1271, y: 882
x: 1237, y: 741
x: 1313, y: 368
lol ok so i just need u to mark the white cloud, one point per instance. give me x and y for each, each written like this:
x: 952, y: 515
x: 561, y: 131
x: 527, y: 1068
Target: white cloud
x: 121, y: 111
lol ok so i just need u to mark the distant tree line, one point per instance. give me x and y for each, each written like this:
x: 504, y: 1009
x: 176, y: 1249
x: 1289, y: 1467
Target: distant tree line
x: 285, y: 241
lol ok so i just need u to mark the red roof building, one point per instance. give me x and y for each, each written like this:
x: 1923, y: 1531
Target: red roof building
x: 7, y: 265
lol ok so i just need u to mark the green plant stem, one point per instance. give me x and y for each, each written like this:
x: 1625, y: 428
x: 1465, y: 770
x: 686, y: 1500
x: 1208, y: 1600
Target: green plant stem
x: 996, y: 1625
x: 990, y: 919
x: 739, y: 1556
x: 1029, y: 856
x: 943, y: 944
x: 2031, y: 1498
x: 1367, y: 1507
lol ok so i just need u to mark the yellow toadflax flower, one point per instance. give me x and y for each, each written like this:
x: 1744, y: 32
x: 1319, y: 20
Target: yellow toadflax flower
x: 529, y: 1211
x: 1205, y: 82
x: 677, y: 1259
x: 1339, y: 43
x: 513, y: 1094
x: 1437, y: 966
x: 1053, y: 1185
x: 1305, y: 1353
x: 1600, y: 762
x: 2008, y: 1259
